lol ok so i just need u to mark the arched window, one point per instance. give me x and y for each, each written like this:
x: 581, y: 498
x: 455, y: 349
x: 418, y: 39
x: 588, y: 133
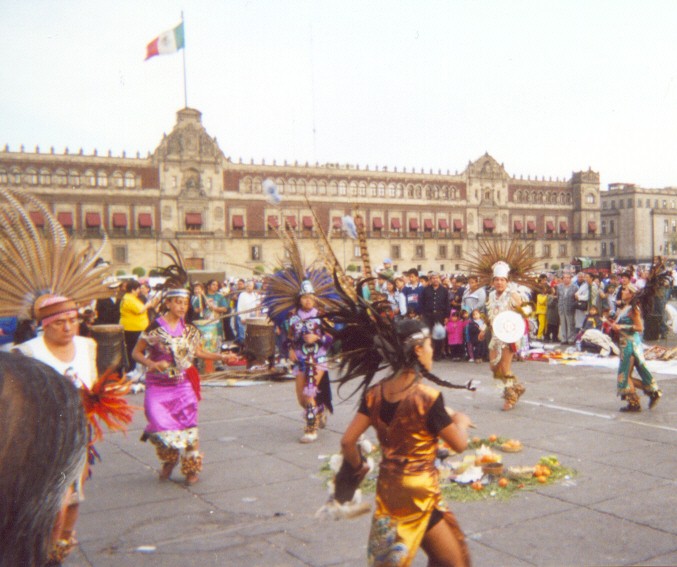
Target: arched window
x: 45, y: 177
x: 301, y: 187
x: 102, y: 179
x: 291, y: 186
x: 73, y: 178
x: 130, y: 180
x: 61, y: 177
x: 353, y: 189
x: 333, y: 188
x: 31, y: 176
x: 312, y: 187
x: 90, y: 178
x: 392, y: 191
x: 342, y: 188
x: 322, y: 188
x: 590, y: 199
x: 381, y: 190
x: 3, y: 176
x: 15, y: 176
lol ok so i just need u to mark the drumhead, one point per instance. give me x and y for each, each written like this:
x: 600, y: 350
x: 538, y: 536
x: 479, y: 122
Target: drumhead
x: 508, y: 326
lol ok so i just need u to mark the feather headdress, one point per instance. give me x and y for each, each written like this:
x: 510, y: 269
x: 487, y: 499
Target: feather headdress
x: 176, y: 275
x: 36, y: 262
x: 659, y: 280
x: 281, y: 290
x: 517, y: 256
x: 371, y: 341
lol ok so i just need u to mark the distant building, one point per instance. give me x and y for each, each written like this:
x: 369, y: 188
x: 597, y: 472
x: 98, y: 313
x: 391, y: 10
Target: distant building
x: 638, y: 223
x: 187, y: 191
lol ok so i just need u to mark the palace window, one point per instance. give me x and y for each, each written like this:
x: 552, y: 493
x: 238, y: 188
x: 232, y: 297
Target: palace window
x: 73, y: 178
x: 395, y: 252
x: 458, y: 252
x: 102, y: 179
x: 130, y: 180
x: 611, y: 227
x: 442, y: 251
x: 31, y: 177
x: 590, y: 199
x: 562, y: 250
x: 419, y: 251
x: 120, y: 254
x: 45, y: 177
x: 90, y: 178
x: 546, y: 250
x: 603, y: 249
x: 3, y: 177
x: 255, y: 252
x: 60, y: 177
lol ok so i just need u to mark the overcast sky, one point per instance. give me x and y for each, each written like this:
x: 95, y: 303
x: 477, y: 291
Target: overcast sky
x: 545, y: 87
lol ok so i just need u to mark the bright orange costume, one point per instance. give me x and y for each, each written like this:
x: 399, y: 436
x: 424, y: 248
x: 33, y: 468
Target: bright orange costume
x: 408, y: 491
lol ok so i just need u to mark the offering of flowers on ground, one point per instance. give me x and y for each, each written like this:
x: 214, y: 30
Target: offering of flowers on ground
x: 478, y: 474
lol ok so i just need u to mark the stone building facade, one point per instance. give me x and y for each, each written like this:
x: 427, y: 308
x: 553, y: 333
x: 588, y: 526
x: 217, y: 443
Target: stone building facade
x: 638, y: 223
x: 187, y: 191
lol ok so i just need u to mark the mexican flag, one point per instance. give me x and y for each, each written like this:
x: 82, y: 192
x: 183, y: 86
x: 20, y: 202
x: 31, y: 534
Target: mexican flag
x: 168, y: 42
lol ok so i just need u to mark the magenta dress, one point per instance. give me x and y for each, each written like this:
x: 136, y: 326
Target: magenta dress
x: 171, y: 402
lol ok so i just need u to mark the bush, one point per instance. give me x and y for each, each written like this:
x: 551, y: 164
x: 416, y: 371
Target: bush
x: 352, y: 268
x: 139, y: 272
x: 259, y: 270
x: 554, y: 266
x: 155, y: 272
x: 120, y: 273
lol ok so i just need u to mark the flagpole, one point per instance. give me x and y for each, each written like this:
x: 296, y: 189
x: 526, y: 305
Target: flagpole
x: 185, y: 88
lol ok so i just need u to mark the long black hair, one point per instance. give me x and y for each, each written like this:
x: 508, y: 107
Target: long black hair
x: 42, y: 451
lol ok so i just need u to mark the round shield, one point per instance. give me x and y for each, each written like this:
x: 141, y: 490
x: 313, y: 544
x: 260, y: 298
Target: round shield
x: 508, y: 326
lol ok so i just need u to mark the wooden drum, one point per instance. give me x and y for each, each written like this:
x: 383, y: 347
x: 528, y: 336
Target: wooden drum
x: 110, y: 351
x: 259, y: 339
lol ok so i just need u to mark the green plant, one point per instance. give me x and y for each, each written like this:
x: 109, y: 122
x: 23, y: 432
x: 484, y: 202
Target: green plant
x: 139, y: 272
x: 155, y: 272
x: 352, y: 268
x: 258, y: 270
x: 554, y: 266
x: 120, y: 273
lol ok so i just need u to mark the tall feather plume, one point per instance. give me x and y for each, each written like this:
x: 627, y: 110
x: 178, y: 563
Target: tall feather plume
x: 489, y: 251
x: 35, y: 262
x: 364, y: 251
x: 281, y: 290
x: 330, y: 260
x: 175, y: 273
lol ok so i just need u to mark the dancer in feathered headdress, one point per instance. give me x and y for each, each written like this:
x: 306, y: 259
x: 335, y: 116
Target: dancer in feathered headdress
x: 48, y: 276
x: 409, y: 418
x: 295, y: 298
x: 508, y: 267
x: 636, y: 304
x: 167, y: 349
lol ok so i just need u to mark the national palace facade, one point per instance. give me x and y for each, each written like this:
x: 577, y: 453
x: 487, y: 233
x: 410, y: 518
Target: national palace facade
x: 188, y: 192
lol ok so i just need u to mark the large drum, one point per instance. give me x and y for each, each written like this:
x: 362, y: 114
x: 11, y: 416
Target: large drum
x: 259, y: 339
x: 110, y: 351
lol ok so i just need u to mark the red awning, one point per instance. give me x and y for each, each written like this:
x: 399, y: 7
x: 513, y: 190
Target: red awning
x: 592, y: 226
x: 273, y: 221
x: 291, y: 222
x: 66, y: 219
x: 428, y: 224
x: 531, y: 226
x: 518, y: 225
x: 488, y: 224
x: 413, y: 224
x: 563, y: 226
x: 36, y: 218
x: 336, y: 222
x: 458, y: 225
x: 194, y: 219
x: 119, y: 220
x: 308, y: 223
x: 442, y: 224
x: 92, y: 220
x: 145, y: 220
x: 550, y: 226
x: 238, y: 222
x: 377, y: 223
x: 395, y: 224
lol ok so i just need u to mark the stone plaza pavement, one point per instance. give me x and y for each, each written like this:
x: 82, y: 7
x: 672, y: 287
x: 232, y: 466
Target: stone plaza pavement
x: 260, y: 488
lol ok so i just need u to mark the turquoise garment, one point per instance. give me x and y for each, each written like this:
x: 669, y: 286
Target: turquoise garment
x: 632, y: 356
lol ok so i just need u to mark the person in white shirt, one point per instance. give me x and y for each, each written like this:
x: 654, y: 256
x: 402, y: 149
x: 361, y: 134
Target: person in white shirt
x: 248, y: 303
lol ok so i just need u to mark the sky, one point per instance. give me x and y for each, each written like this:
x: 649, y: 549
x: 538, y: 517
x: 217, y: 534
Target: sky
x: 545, y: 87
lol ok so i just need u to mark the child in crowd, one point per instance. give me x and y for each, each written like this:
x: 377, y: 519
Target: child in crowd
x: 477, y: 349
x: 455, y: 327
